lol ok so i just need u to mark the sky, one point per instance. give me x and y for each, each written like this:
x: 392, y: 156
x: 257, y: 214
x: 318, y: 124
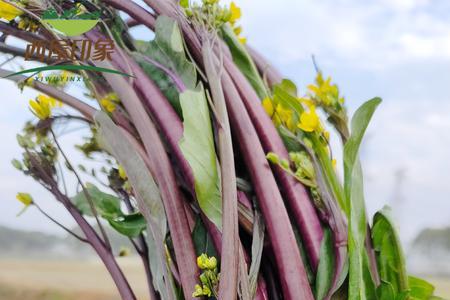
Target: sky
x: 396, y: 49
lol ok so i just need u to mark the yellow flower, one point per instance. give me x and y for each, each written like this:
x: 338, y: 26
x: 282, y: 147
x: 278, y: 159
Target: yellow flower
x: 9, y: 12
x: 268, y: 106
x: 309, y: 121
x: 206, y: 263
x: 242, y: 40
x: 122, y: 173
x: 306, y: 101
x: 108, y: 105
x: 237, y: 30
x: 283, y: 113
x: 201, y: 261
x: 198, y: 291
x: 29, y: 81
x: 334, y: 163
x: 109, y: 102
x: 42, y: 106
x: 325, y: 92
x: 206, y: 291
x: 235, y: 13
x: 25, y: 198
x: 51, y: 101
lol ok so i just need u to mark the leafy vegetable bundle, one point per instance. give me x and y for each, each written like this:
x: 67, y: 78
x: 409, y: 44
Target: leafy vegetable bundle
x: 219, y: 171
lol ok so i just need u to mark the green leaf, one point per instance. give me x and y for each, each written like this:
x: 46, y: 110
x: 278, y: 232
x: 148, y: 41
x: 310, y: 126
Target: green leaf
x: 167, y: 50
x: 360, y: 286
x: 202, y: 240
x: 389, y: 253
x: 197, y: 145
x: 148, y: 199
x: 129, y: 225
x: 244, y: 62
x: 385, y: 291
x: 325, y: 271
x: 285, y: 93
x: 107, y: 206
x: 360, y: 122
x: 289, y: 139
x: 419, y: 288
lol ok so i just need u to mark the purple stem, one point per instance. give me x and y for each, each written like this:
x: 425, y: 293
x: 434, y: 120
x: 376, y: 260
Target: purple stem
x: 99, y: 246
x: 295, y: 193
x: 163, y: 173
x: 292, y: 272
x: 135, y: 11
x: 271, y: 74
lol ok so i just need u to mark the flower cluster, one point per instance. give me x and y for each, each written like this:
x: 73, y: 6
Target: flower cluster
x: 325, y: 93
x: 42, y: 106
x: 304, y: 168
x: 212, y: 14
x: 327, y: 96
x: 209, y: 278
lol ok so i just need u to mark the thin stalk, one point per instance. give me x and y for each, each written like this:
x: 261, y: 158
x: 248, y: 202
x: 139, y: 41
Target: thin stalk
x: 86, y: 193
x: 60, y: 225
x: 102, y: 250
x: 294, y: 192
x: 291, y: 270
x: 91, y: 235
x: 230, y: 250
x: 141, y: 248
x: 85, y: 109
x: 165, y: 177
x: 334, y: 215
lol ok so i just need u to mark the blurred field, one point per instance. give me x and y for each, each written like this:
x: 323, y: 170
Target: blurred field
x: 65, y: 280
x: 87, y: 280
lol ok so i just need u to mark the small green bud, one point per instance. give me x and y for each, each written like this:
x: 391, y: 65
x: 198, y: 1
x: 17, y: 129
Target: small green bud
x: 273, y: 158
x: 17, y: 164
x: 21, y: 141
x: 284, y: 163
x: 204, y: 278
x: 184, y: 3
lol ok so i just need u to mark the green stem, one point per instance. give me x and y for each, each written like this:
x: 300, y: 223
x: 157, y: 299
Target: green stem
x: 330, y: 175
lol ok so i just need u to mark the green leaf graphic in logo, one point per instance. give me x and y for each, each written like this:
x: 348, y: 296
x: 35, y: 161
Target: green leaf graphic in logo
x: 71, y: 22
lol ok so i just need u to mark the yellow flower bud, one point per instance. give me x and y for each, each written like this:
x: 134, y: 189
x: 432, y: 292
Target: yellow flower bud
x: 198, y: 291
x: 202, y: 261
x: 206, y: 291
x: 122, y: 173
x: 212, y: 263
x: 25, y: 198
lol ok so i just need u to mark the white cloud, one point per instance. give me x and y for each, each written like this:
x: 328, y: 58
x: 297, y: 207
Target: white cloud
x: 371, y: 35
